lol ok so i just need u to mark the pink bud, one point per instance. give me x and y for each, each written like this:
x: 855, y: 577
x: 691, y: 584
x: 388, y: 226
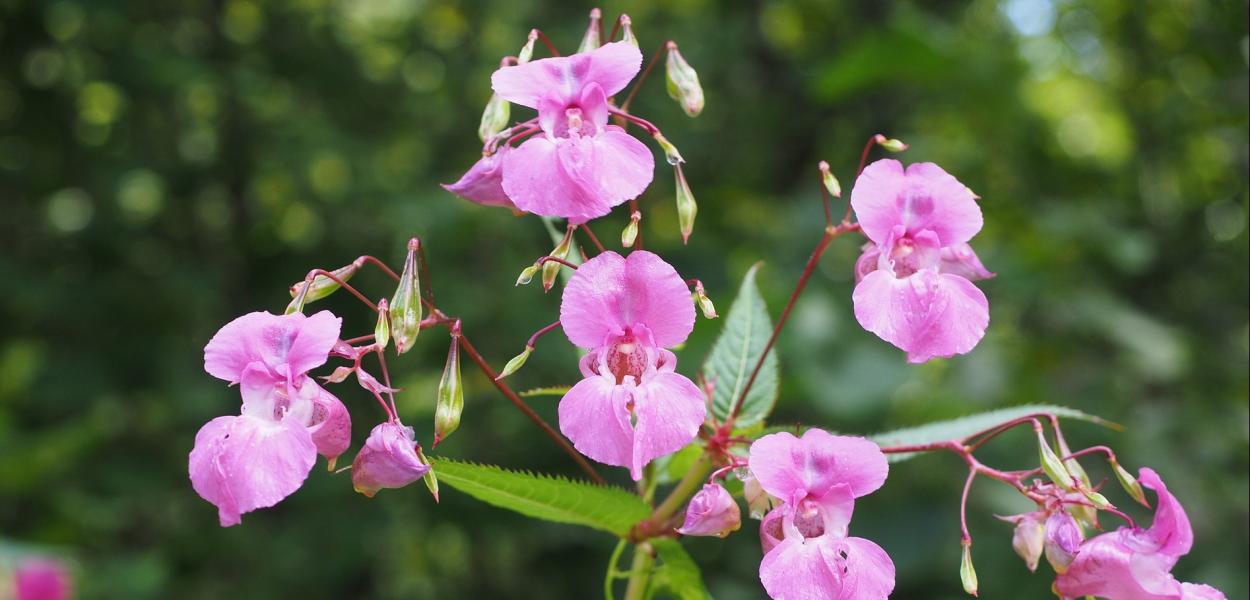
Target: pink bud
x: 1063, y: 539
x: 388, y: 460
x: 41, y: 579
x: 1029, y: 538
x: 712, y: 511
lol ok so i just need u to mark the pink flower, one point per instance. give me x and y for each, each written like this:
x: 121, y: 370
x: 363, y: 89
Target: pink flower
x: 631, y: 407
x: 483, y: 183
x: 579, y: 167
x: 1063, y: 540
x: 42, y: 579
x: 1136, y: 564
x: 712, y: 511
x: 261, y: 456
x: 388, y: 460
x: 914, y: 287
x: 808, y: 553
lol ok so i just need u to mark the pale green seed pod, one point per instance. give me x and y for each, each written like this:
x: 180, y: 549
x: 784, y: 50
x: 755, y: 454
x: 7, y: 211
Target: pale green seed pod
x: 450, y: 400
x: 590, y: 39
x: 405, y: 308
x: 430, y: 479
x: 382, y: 331
x: 683, y: 82
x: 686, y: 206
x: 516, y: 363
x: 832, y: 185
x: 1129, y: 483
x: 551, y: 268
x: 968, y: 573
x: 1053, y: 466
x: 323, y: 286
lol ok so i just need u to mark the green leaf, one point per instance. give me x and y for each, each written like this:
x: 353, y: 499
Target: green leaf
x: 733, y: 357
x: 966, y: 426
x: 672, y: 467
x: 677, y: 575
x: 556, y: 499
x: 552, y: 390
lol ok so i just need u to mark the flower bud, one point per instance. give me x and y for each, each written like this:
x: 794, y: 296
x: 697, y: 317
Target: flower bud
x: 670, y: 151
x: 1053, y: 466
x: 630, y: 233
x: 968, y: 573
x: 759, y: 502
x: 450, y: 400
x: 527, y: 274
x: 551, y: 268
x: 627, y: 31
x: 430, y: 479
x: 1029, y: 538
x: 516, y: 363
x: 494, y: 118
x: 1129, y: 483
x: 323, y: 286
x: 382, y: 331
x: 705, y: 303
x: 683, y: 82
x: 686, y: 207
x: 527, y: 51
x: 1063, y: 539
x: 388, y: 460
x: 590, y: 39
x: 831, y: 183
x: 712, y: 511
x: 890, y: 144
x: 405, y: 307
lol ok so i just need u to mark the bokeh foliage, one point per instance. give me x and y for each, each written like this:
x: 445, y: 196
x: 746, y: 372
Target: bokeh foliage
x: 165, y: 166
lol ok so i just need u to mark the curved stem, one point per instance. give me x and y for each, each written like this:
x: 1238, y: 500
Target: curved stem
x: 643, y: 77
x: 612, y: 573
x: 594, y: 239
x: 640, y: 572
x: 541, y: 332
x: 689, y: 484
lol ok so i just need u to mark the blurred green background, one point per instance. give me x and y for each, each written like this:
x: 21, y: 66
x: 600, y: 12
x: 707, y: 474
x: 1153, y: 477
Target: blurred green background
x: 167, y: 166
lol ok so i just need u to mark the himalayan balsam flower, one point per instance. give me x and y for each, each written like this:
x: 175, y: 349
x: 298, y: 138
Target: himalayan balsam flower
x: 483, y: 183
x: 1136, y: 564
x: 808, y: 553
x: 41, y: 579
x: 712, y: 512
x: 631, y: 407
x: 257, y: 458
x: 579, y: 167
x: 388, y: 460
x: 915, y: 278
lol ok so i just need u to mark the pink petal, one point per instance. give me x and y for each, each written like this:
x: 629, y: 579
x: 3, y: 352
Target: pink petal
x: 869, y: 572
x: 962, y: 261
x: 331, y: 428
x: 794, y: 468
x: 312, y: 343
x: 244, y: 463
x: 388, y: 460
x: 772, y: 532
x: 612, y: 66
x: 483, y: 183
x: 1193, y: 591
x: 797, y: 569
x: 594, y: 416
x: 922, y: 197
x: 41, y: 579
x: 608, y: 293
x: 669, y: 410
x: 926, y: 314
x: 292, y: 342
x: 1170, y: 531
x: 1104, y: 568
x: 867, y: 262
x: 711, y: 512
x: 535, y: 179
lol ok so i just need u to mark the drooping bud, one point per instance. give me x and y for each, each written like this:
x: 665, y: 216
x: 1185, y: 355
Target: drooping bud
x: 1129, y: 483
x: 670, y: 151
x: 405, y: 307
x: 686, y: 206
x: 590, y: 39
x: 527, y: 51
x: 705, y: 303
x: 1073, y: 465
x: 890, y: 144
x: 712, y: 512
x: 683, y: 82
x: 450, y: 401
x: 323, y: 286
x: 627, y: 31
x: 388, y: 460
x: 1029, y: 538
x: 430, y: 479
x: 1063, y: 539
x: 630, y: 234
x: 494, y: 118
x: 831, y: 183
x: 382, y: 331
x: 527, y: 275
x: 1053, y: 466
x: 551, y: 268
x: 516, y: 363
x: 968, y: 573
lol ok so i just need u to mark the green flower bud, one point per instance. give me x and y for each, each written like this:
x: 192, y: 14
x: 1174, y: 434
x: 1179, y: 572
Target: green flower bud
x: 670, y: 151
x: 968, y: 573
x: 527, y: 51
x: 1053, y: 466
x: 382, y: 331
x: 494, y: 118
x: 430, y: 479
x: 527, y: 274
x: 516, y: 363
x: 630, y: 233
x: 323, y: 286
x: 686, y: 206
x: 450, y: 400
x: 551, y: 268
x: 890, y: 144
x: 627, y: 31
x: 1129, y: 483
x: 831, y: 183
x: 405, y: 308
x: 590, y: 39
x: 683, y: 82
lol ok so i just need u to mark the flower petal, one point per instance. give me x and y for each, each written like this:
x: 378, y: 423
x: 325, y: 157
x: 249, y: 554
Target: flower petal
x: 608, y: 293
x: 868, y: 571
x: 669, y: 409
x: 793, y: 468
x: 244, y: 463
x: 535, y: 179
x: 796, y: 569
x: 926, y: 314
x: 483, y: 183
x: 331, y: 427
x: 594, y: 416
x: 612, y: 66
x: 921, y: 197
x: 293, y: 342
x: 1170, y: 531
x: 962, y: 261
x: 388, y: 460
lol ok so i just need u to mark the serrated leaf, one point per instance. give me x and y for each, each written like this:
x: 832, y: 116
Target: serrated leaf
x: 553, y: 390
x: 965, y: 426
x: 742, y: 339
x: 545, y: 497
x: 677, y: 575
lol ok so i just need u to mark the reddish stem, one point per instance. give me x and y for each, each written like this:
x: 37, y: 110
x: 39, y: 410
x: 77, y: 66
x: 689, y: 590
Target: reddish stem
x: 546, y: 259
x: 541, y: 332
x: 357, y: 340
x: 643, y: 77
x: 343, y: 284
x: 379, y: 264
x: 542, y: 37
x: 641, y: 122
x: 593, y: 238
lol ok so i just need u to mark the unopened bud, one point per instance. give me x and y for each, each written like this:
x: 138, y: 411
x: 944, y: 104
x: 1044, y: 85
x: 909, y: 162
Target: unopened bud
x: 527, y: 51
x: 890, y: 144
x: 1073, y: 466
x: 1063, y: 539
x: 686, y: 206
x: 1029, y: 539
x: 627, y: 31
x: 527, y: 275
x: 1098, y: 500
x: 430, y: 479
x: 1053, y: 466
x: 323, y: 286
x: 831, y: 183
x: 516, y: 363
x: 759, y: 502
x: 705, y: 303
x: 450, y: 400
x: 590, y: 39
x: 551, y: 268
x: 968, y: 573
x: 494, y: 118
x: 382, y: 331
x: 630, y: 233
x: 1129, y: 483
x: 670, y: 151
x: 405, y: 307
x: 683, y: 82
x: 711, y: 512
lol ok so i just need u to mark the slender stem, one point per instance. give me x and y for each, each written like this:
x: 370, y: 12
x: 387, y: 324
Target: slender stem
x: 641, y: 122
x: 612, y: 573
x: 344, y: 285
x: 643, y: 77
x: 863, y: 161
x: 529, y: 412
x: 542, y: 37
x: 379, y: 264
x: 386, y: 380
x: 357, y: 340
x: 689, y: 484
x: 963, y: 507
x: 593, y: 238
x: 546, y: 259
x: 640, y: 572
x: 541, y: 332
x: 616, y: 26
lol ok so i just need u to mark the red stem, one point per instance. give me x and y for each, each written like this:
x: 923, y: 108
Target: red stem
x: 541, y: 332
x: 593, y: 238
x: 542, y: 37
x: 546, y: 259
x: 643, y: 77
x: 343, y: 284
x: 379, y: 264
